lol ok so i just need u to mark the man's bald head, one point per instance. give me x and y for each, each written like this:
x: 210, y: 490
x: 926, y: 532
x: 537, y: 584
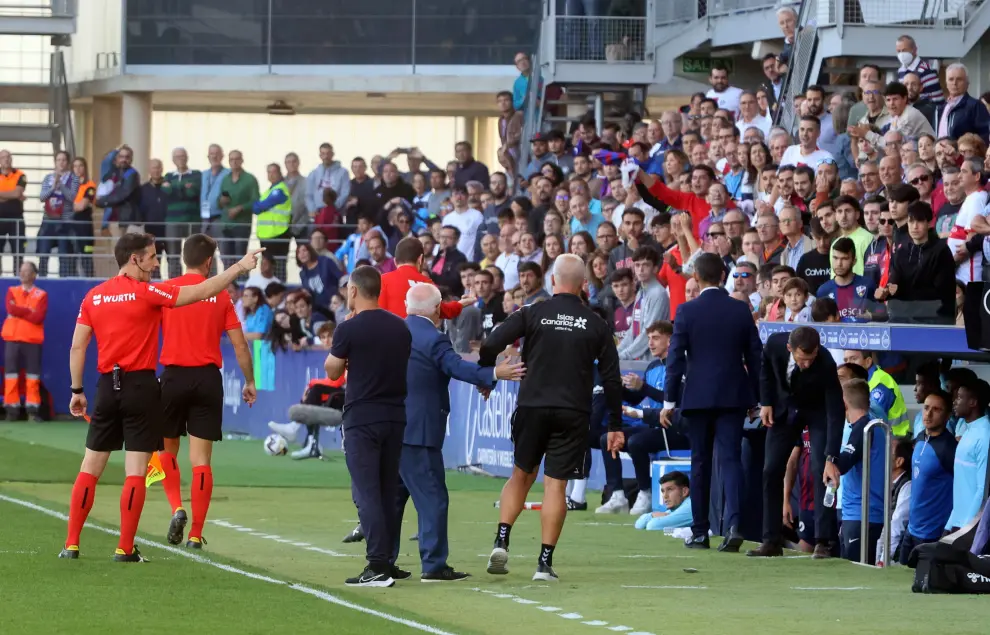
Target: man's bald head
x: 423, y: 299
x: 568, y: 274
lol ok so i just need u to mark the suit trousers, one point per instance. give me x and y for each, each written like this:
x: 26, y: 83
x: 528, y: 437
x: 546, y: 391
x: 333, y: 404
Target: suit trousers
x: 422, y: 477
x: 372, y: 453
x: 641, y: 442
x: 715, y: 433
x: 781, y: 440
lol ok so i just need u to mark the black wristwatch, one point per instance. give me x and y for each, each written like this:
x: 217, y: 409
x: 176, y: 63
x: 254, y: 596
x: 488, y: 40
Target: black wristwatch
x: 831, y: 459
x: 76, y: 391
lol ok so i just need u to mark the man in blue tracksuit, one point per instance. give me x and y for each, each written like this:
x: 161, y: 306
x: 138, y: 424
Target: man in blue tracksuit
x: 856, y: 395
x: 931, y: 475
x: 970, y: 464
x: 642, y: 430
x: 926, y: 381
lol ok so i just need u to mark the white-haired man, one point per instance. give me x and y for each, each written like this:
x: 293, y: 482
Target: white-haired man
x: 564, y: 339
x: 432, y: 364
x: 961, y: 113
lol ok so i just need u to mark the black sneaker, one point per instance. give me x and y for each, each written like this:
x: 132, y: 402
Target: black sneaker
x: 177, y: 527
x: 70, y: 553
x: 498, y: 561
x: 133, y: 556
x: 444, y: 575
x: 414, y: 537
x: 697, y: 542
x: 545, y: 573
x: 355, y: 536
x: 195, y: 543
x: 574, y: 506
x: 400, y: 574
x: 369, y: 578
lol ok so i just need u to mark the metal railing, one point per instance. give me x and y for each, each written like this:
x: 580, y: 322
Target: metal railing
x: 888, y: 494
x: 38, y: 9
x: 800, y: 65
x: 60, y: 108
x: 942, y: 14
x: 615, y: 39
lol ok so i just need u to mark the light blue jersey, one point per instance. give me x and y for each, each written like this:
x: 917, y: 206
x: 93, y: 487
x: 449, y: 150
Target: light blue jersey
x: 680, y: 517
x: 969, y: 473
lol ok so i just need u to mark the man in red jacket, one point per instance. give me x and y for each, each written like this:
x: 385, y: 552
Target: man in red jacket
x: 693, y: 202
x: 408, y: 272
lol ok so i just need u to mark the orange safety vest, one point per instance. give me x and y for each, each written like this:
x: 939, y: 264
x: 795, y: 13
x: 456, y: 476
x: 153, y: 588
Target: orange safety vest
x: 16, y: 329
x: 8, y: 182
x: 83, y: 188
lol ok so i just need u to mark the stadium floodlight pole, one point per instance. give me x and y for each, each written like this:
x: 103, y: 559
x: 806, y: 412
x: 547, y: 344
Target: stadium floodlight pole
x: 864, y: 531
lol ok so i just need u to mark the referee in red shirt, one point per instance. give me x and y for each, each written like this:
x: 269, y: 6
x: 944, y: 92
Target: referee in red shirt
x: 125, y: 313
x: 192, y: 386
x: 408, y: 273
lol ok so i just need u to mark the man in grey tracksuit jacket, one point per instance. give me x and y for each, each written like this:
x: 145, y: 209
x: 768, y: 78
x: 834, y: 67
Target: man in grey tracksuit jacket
x: 337, y: 177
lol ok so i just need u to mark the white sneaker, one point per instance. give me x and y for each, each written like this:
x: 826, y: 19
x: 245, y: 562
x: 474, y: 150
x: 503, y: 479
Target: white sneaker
x: 617, y: 504
x: 643, y: 504
x: 311, y: 450
x: 288, y: 430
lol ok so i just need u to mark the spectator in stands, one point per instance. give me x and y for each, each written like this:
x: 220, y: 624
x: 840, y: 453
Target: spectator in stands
x: 876, y: 263
x: 620, y: 304
x: 794, y: 293
x: 633, y: 238
x: 676, y: 493
x: 553, y: 246
x: 531, y: 281
x: 581, y: 217
x: 183, y: 188
x: 508, y: 258
x: 238, y: 194
x: 932, y: 466
x: 305, y: 323
x: 465, y: 219
x: 23, y: 335
x: 529, y: 250
x: 362, y: 186
x: 772, y: 243
x: 318, y: 274
x: 153, y: 203
x: 970, y: 266
x: 445, y: 266
x: 258, y: 315
x: 275, y: 296
x: 329, y: 174
x: 856, y: 395
x: 912, y: 81
x: 643, y: 432
x: 849, y: 218
x: 750, y: 117
x: 380, y: 258
x: 652, y: 303
x: 955, y: 195
x: 970, y: 465
x: 297, y: 193
x: 901, y: 492
x: 852, y: 292
x: 80, y: 230
x: 922, y: 270
x: 392, y: 187
x: 772, y: 87
x: 814, y: 267
x: 961, y: 113
x: 726, y: 96
x: 807, y: 152
x: 58, y: 191
x: 884, y: 391
x: 468, y: 169
x: 122, y: 202
x: 489, y: 302
x: 907, y: 55
x: 796, y: 243
x: 520, y: 87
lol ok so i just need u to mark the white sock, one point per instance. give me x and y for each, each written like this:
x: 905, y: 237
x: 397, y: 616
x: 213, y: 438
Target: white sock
x: 569, y: 488
x: 577, y: 493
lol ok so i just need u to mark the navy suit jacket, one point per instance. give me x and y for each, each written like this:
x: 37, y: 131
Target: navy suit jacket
x: 714, y: 355
x: 432, y: 363
x: 969, y: 115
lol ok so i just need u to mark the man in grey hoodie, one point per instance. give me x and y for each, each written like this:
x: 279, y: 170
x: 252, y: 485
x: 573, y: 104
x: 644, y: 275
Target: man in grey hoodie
x: 301, y: 223
x: 329, y: 174
x: 652, y: 304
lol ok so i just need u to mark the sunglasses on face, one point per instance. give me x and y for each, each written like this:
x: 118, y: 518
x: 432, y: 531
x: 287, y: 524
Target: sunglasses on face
x: 563, y: 198
x: 924, y: 178
x: 715, y: 234
x: 885, y: 221
x: 742, y: 274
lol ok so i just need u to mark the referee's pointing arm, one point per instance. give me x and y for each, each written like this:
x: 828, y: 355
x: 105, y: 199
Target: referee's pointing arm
x: 212, y: 286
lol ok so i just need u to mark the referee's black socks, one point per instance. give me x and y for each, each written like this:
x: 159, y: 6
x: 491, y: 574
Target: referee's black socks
x: 502, y: 535
x: 546, y: 555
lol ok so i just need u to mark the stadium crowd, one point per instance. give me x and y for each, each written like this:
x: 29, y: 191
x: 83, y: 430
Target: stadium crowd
x: 868, y: 209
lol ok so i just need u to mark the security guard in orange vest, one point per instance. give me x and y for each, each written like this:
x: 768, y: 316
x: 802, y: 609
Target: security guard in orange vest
x: 23, y: 333
x: 12, y: 184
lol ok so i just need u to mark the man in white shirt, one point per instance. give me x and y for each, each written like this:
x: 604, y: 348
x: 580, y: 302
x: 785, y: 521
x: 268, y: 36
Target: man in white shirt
x: 750, y: 117
x: 508, y: 260
x: 465, y: 219
x: 264, y: 275
x: 806, y: 152
x: 726, y: 96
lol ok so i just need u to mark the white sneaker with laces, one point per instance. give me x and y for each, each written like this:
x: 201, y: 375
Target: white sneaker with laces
x: 617, y: 504
x: 288, y: 430
x: 643, y: 504
x: 309, y: 451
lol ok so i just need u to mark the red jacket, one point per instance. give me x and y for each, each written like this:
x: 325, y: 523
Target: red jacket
x: 395, y: 285
x: 697, y: 207
x: 676, y: 283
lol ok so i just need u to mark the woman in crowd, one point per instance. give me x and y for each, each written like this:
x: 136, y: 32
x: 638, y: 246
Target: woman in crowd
x: 971, y: 145
x: 81, y: 228
x: 318, y: 274
x: 553, y: 246
x: 675, y: 163
x: 552, y: 172
x: 553, y: 223
x: 597, y: 275
x: 528, y: 251
x: 759, y: 157
x: 562, y: 200
x: 581, y: 244
x: 258, y: 316
x: 926, y: 154
x: 279, y: 336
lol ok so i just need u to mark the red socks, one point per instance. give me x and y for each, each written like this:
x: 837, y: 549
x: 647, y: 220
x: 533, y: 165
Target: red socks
x: 202, y: 491
x: 83, y: 493
x: 172, y: 480
x: 131, y: 504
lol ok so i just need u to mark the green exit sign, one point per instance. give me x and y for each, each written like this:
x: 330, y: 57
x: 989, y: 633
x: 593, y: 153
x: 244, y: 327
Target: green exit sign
x: 704, y: 64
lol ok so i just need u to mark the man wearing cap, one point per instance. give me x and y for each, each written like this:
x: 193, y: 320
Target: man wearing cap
x: 539, y: 154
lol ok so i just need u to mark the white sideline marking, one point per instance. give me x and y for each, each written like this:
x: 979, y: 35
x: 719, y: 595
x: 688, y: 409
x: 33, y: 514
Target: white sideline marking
x: 550, y: 609
x: 595, y: 623
x: 619, y: 629
x: 662, y: 587
x: 326, y: 597
x: 643, y: 555
x: 281, y: 540
x: 830, y: 588
x: 596, y: 524
x: 572, y: 616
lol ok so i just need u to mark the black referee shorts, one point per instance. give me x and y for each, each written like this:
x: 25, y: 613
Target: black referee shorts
x: 559, y: 434
x: 192, y: 402
x: 127, y: 418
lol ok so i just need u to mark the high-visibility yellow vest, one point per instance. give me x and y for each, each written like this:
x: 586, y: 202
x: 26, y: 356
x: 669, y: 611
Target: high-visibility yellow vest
x: 897, y: 416
x: 275, y: 222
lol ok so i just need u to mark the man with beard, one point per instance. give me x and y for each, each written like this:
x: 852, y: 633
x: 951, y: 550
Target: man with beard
x: 542, y: 202
x: 814, y: 103
x: 923, y: 105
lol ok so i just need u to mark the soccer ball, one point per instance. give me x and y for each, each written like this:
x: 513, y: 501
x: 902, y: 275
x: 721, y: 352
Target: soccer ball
x: 275, y: 445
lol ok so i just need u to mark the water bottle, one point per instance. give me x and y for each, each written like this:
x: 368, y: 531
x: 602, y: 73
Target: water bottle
x: 829, y: 499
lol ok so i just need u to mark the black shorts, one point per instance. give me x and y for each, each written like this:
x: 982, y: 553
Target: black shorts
x: 192, y: 402
x: 128, y: 418
x: 559, y: 434
x: 806, y: 525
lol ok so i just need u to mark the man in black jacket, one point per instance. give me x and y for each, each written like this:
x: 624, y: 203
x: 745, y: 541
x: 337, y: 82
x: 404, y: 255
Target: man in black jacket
x: 123, y: 203
x: 922, y: 270
x: 799, y: 387
x: 563, y: 340
x: 446, y: 266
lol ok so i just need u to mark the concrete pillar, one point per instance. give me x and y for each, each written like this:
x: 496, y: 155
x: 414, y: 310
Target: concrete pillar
x: 135, y: 128
x: 464, y: 129
x: 106, y: 126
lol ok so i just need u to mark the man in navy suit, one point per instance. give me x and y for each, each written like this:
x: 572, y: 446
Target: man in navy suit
x: 432, y: 363
x: 713, y: 377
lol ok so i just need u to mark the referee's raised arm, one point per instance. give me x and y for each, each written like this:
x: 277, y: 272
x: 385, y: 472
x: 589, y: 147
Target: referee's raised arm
x: 212, y: 286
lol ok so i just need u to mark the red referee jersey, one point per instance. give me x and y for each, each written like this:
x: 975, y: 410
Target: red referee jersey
x: 396, y: 283
x: 191, y: 334
x: 125, y: 315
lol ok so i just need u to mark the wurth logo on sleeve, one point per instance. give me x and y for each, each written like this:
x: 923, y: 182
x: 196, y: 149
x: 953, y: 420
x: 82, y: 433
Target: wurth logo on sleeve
x: 110, y: 299
x: 159, y: 291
